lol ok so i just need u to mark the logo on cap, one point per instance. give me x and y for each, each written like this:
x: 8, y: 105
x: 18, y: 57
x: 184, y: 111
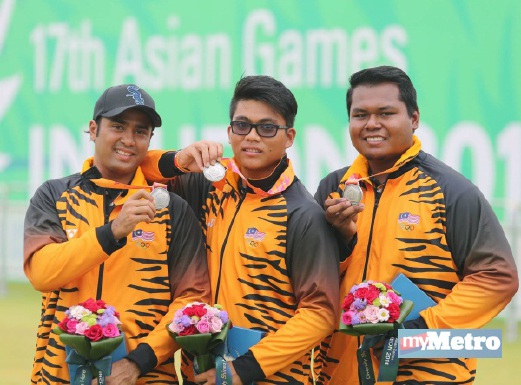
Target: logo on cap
x: 136, y: 95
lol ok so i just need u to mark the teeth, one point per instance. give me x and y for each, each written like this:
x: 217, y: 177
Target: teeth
x: 123, y: 153
x: 375, y: 139
x: 252, y: 150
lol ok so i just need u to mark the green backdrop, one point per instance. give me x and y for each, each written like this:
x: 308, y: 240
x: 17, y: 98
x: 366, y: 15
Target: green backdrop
x: 464, y: 57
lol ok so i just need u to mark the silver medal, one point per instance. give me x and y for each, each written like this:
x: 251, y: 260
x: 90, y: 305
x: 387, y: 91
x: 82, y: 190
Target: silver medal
x: 161, y: 197
x: 353, y: 193
x: 214, y: 173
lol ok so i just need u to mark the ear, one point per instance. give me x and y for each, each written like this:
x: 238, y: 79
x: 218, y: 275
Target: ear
x: 229, y: 134
x: 93, y: 127
x: 415, y: 120
x: 290, y: 136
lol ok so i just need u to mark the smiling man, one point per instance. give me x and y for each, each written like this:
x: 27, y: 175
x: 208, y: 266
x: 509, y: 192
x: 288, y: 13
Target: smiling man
x: 84, y: 238
x: 418, y: 217
x: 272, y: 256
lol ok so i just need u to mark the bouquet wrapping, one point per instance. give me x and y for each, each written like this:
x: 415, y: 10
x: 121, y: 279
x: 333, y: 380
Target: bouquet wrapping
x: 199, y: 328
x: 91, y: 332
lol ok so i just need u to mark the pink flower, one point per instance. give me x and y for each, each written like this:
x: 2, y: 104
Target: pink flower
x: 176, y: 327
x: 371, y: 313
x: 216, y: 325
x: 203, y: 327
x: 395, y: 298
x: 81, y: 327
x: 111, y: 330
x: 71, y: 325
x: 347, y: 317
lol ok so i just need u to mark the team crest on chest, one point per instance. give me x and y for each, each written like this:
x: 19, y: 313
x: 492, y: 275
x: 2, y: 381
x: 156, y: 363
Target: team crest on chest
x: 254, y: 236
x: 142, y: 238
x: 407, y: 221
x: 71, y: 233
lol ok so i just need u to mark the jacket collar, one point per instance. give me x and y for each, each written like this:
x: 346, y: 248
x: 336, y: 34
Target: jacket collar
x: 360, y: 167
x: 91, y: 172
x: 271, y: 185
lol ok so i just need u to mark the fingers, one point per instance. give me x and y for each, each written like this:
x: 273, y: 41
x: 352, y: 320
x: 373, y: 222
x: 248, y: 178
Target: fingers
x: 139, y: 207
x: 339, y: 210
x: 207, y: 378
x: 200, y: 154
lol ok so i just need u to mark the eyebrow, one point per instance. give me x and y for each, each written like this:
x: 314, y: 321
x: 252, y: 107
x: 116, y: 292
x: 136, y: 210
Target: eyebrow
x: 264, y: 120
x: 384, y: 108
x: 123, y: 121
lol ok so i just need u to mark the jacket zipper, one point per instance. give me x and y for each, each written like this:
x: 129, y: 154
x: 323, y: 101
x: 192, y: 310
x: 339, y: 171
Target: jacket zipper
x: 242, y: 197
x: 377, y: 195
x: 99, y: 290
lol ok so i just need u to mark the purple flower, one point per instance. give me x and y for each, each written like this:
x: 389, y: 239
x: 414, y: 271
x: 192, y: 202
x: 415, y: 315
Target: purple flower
x: 106, y: 319
x: 111, y: 310
x: 185, y: 321
x: 359, y: 304
x: 354, y: 319
x: 223, y: 315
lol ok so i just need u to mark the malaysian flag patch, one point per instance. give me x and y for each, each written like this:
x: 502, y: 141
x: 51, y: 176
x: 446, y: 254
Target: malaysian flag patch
x: 147, y: 236
x: 408, y: 218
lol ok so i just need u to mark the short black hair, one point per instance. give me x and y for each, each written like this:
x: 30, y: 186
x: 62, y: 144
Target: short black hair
x: 384, y: 74
x: 268, y: 90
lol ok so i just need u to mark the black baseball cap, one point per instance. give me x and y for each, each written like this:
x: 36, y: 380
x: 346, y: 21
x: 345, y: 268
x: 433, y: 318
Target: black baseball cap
x: 120, y: 98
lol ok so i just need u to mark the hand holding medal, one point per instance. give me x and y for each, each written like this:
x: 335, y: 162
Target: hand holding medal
x: 353, y: 193
x: 215, y: 172
x: 161, y: 195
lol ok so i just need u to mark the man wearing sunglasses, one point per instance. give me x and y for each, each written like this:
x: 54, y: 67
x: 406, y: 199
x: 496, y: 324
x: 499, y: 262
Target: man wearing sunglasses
x: 272, y: 257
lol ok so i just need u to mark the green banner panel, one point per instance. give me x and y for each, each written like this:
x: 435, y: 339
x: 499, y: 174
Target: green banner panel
x: 464, y: 57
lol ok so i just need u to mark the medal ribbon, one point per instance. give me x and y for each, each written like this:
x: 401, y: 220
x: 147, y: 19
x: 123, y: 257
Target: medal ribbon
x: 282, y: 183
x: 411, y: 153
x: 388, y: 362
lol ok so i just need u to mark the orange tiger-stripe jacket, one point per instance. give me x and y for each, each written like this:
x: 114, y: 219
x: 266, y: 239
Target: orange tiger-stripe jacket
x: 273, y: 265
x: 433, y: 225
x: 70, y: 255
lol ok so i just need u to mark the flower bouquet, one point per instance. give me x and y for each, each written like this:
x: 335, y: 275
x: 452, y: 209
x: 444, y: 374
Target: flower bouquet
x: 199, y: 328
x: 373, y: 308
x: 376, y: 310
x: 91, y: 333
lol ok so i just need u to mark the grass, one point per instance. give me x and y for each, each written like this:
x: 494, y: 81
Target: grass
x: 21, y: 313
x: 18, y: 324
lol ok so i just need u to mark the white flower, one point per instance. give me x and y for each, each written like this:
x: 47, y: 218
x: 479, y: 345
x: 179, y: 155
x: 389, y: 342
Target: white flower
x: 383, y: 315
x: 78, y: 312
x: 384, y: 300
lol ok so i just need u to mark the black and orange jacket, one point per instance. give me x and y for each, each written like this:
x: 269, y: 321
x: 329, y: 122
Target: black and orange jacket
x: 273, y: 265
x: 433, y: 225
x: 70, y: 255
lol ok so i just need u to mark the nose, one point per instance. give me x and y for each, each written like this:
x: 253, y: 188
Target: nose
x: 127, y: 138
x: 253, y: 135
x: 372, y: 121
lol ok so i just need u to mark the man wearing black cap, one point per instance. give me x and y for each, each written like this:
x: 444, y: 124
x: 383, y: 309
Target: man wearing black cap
x: 99, y: 234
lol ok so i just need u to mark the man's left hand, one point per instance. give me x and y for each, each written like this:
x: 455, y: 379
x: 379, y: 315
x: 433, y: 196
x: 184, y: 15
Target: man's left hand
x: 124, y: 372
x: 208, y: 377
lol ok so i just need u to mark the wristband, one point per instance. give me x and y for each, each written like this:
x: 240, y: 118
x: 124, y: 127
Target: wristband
x: 177, y: 165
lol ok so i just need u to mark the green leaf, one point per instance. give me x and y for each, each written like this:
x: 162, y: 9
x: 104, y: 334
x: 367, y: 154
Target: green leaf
x: 199, y: 344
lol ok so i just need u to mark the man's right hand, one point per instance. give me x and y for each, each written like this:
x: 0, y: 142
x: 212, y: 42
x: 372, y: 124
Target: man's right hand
x: 139, y: 207
x: 343, y: 216
x: 199, y: 154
